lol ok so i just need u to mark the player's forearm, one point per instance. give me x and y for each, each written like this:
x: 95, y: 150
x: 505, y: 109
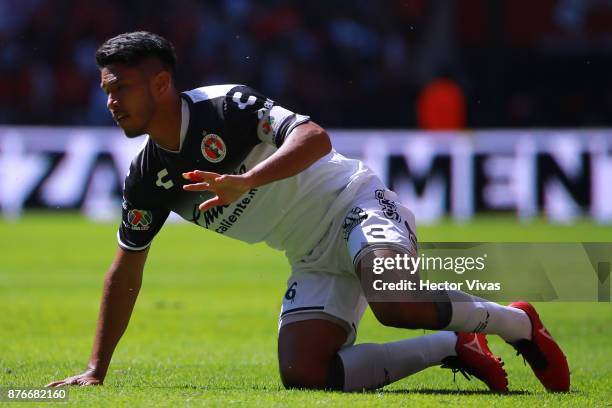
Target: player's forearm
x: 305, y: 145
x: 118, y: 298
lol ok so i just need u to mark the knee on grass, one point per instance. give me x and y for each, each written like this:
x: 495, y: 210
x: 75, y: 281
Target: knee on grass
x: 306, y: 373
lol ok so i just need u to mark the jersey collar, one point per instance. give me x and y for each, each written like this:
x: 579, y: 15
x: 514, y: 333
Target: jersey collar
x: 184, y: 121
x: 184, y: 126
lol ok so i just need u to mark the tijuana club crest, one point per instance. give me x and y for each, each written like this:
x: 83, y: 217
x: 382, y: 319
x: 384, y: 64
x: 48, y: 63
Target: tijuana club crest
x: 213, y: 148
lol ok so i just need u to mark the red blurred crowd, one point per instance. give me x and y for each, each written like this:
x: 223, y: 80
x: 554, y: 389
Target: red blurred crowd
x: 346, y: 63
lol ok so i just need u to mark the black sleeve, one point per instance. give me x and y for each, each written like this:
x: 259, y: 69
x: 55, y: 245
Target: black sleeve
x: 141, y: 220
x: 248, y: 111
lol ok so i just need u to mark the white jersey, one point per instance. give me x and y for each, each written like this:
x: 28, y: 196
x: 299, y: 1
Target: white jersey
x: 229, y: 129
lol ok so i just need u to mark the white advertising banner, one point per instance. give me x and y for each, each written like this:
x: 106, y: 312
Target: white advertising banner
x: 560, y: 174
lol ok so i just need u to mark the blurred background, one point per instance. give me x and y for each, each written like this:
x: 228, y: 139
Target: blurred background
x: 349, y: 64
x: 522, y: 89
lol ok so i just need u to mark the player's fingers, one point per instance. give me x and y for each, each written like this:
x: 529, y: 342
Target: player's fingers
x: 197, y: 187
x: 66, y: 381
x: 54, y: 383
x: 191, y: 175
x: 208, y: 204
x: 198, y: 175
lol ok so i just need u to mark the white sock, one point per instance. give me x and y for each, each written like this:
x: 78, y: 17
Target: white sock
x: 474, y: 314
x: 369, y: 366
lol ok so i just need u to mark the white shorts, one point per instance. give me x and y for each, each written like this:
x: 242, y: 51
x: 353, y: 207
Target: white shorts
x: 324, y: 285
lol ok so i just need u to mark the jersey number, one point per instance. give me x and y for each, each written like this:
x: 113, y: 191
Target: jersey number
x: 290, y: 294
x: 237, y: 98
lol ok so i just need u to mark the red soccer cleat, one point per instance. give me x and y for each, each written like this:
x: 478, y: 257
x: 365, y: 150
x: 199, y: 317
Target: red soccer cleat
x: 542, y: 353
x: 475, y: 358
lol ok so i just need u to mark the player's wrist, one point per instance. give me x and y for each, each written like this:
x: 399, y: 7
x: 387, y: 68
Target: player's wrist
x: 250, y: 180
x: 96, y: 370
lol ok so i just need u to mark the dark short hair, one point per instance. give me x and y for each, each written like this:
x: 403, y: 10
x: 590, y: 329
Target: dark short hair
x: 132, y: 48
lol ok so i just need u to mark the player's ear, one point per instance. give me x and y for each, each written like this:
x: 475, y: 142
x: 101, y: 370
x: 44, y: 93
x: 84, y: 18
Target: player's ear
x: 161, y: 83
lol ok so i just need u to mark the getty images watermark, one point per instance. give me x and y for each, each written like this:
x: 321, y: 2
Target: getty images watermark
x: 496, y: 271
x: 412, y: 264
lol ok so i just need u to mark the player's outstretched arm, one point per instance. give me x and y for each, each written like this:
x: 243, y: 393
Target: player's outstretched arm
x: 121, y: 287
x: 306, y: 144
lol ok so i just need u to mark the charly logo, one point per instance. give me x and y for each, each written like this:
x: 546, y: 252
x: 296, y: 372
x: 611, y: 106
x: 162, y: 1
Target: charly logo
x: 213, y: 148
x: 388, y: 207
x: 352, y: 219
x: 168, y: 184
x: 140, y: 220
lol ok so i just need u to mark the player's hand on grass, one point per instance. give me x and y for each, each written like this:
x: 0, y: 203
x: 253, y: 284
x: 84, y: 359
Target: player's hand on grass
x: 227, y: 187
x: 86, y: 378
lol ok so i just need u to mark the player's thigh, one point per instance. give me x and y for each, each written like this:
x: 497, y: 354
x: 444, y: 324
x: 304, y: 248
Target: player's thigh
x: 380, y: 239
x: 337, y: 298
x: 408, y: 309
x: 320, y: 313
x: 306, y: 349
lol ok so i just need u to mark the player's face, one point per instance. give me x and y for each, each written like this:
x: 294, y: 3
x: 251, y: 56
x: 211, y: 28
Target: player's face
x: 129, y: 97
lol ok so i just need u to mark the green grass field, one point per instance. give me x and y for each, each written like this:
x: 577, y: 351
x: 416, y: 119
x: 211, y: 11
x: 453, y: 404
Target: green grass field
x: 204, y: 328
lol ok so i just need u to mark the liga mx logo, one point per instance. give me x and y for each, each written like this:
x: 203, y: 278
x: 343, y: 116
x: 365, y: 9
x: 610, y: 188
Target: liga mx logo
x: 140, y: 220
x: 213, y: 148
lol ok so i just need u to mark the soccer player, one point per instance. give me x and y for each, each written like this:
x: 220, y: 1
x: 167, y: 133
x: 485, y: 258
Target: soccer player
x: 232, y: 161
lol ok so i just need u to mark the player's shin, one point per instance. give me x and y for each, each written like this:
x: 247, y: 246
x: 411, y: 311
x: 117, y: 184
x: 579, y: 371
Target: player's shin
x: 369, y: 366
x: 470, y: 313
